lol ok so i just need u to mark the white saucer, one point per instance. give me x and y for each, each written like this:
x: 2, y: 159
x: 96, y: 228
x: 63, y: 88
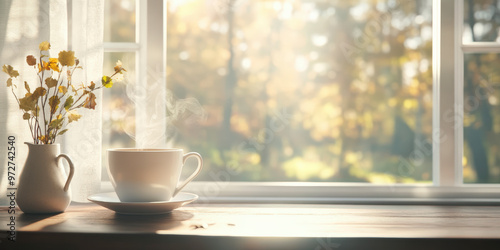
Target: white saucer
x: 111, y: 201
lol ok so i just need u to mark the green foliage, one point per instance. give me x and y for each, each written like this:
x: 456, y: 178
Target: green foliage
x: 68, y: 103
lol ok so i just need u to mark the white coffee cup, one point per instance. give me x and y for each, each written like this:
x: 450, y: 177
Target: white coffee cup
x: 148, y: 175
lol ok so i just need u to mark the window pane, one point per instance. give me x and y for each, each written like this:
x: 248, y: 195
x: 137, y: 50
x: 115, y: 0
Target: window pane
x: 306, y: 90
x: 481, y: 21
x: 481, y: 159
x: 119, y: 20
x: 118, y: 110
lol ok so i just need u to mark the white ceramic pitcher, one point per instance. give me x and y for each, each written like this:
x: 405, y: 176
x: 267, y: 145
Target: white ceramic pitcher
x: 43, y: 186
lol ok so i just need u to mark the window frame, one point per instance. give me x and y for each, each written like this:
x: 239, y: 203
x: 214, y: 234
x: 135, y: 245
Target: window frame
x: 447, y: 186
x: 150, y: 53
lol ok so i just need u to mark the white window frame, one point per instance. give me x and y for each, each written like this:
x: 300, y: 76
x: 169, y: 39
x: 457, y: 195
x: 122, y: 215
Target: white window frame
x: 150, y: 53
x: 447, y: 186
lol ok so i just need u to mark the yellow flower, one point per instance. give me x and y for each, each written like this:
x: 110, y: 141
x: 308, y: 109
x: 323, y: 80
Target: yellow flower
x: 53, y: 64
x: 63, y: 90
x: 44, y: 46
x: 107, y: 82
x: 67, y: 58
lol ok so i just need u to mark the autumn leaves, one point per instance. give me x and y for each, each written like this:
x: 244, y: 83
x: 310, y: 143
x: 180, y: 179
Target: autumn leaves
x: 54, y: 103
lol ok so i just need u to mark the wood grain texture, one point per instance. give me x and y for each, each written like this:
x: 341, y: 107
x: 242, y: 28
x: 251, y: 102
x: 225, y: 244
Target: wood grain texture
x: 239, y: 226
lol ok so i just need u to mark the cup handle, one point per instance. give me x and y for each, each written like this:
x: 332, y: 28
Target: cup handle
x: 191, y: 177
x: 71, y: 169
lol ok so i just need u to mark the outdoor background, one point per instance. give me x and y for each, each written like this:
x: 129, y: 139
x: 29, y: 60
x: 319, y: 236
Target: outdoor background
x: 310, y: 90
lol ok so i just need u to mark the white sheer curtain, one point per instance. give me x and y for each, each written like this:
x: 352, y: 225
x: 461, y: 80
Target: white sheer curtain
x: 68, y: 25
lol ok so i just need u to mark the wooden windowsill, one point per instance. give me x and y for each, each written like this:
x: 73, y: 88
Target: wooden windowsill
x: 261, y: 226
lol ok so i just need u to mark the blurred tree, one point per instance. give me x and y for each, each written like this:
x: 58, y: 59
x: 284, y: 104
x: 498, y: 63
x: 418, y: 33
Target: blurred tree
x: 476, y: 107
x: 305, y: 90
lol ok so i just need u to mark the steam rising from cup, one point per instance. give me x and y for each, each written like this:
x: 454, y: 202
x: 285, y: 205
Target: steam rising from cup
x: 157, y: 110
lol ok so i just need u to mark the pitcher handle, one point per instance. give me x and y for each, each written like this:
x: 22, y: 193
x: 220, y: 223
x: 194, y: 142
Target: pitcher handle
x: 71, y: 169
x: 191, y: 177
